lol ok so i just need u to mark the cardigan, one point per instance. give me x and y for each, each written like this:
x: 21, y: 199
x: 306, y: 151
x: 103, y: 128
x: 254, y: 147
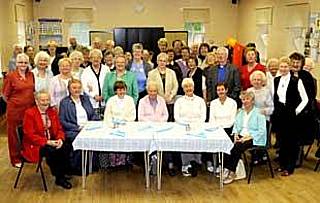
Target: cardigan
x: 256, y: 126
x: 68, y: 115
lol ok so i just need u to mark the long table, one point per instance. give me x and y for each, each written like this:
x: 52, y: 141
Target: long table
x: 149, y: 137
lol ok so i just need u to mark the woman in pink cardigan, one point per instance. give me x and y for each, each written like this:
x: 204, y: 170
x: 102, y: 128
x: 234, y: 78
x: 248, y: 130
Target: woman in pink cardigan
x: 152, y: 107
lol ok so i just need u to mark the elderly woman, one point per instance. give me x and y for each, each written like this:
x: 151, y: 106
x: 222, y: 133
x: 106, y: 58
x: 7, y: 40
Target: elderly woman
x: 108, y: 59
x: 197, y: 76
x: 93, y: 79
x: 166, y: 81
x: 120, y: 74
x: 43, y: 135
x: 272, y: 68
x: 118, y: 51
x: 42, y: 75
x: 184, y: 112
x: 119, y: 107
x: 75, y: 110
x: 18, y: 93
x: 140, y: 68
x: 210, y: 61
x: 263, y: 95
x: 249, y: 130
x: 59, y: 83
x: 248, y: 69
x: 76, y: 61
x: 152, y: 107
x: 290, y: 98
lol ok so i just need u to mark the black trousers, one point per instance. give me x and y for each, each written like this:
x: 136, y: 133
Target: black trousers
x: 288, y: 137
x: 231, y: 161
x: 57, y: 159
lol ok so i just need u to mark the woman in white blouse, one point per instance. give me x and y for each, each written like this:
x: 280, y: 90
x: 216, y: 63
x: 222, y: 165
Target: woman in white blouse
x: 59, y: 83
x: 223, y: 111
x: 290, y: 98
x: 92, y: 79
x: 190, y: 109
x: 76, y: 59
x: 119, y: 108
x: 42, y: 75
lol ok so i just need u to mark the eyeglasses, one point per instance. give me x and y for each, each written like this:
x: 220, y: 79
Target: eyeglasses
x: 23, y: 62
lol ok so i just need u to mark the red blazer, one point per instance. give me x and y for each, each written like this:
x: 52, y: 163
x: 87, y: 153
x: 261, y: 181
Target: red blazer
x: 34, y: 134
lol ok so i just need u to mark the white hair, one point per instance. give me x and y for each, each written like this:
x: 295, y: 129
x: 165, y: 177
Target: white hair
x: 187, y: 81
x: 21, y: 56
x: 41, y: 55
x: 224, y: 50
x: 95, y: 52
x: 75, y: 54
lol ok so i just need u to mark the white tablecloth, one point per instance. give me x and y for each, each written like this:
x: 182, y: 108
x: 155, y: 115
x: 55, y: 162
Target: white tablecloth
x: 147, y: 136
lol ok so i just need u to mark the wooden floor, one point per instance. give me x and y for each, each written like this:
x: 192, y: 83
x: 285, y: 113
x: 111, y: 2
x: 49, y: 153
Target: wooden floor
x: 128, y: 186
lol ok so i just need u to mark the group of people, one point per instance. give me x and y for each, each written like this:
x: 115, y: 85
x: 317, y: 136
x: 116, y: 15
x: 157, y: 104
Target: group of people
x: 54, y: 96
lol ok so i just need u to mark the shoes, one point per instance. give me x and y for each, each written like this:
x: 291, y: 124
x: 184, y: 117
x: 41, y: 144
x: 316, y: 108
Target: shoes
x: 285, y: 173
x: 63, y: 183
x: 17, y: 165
x: 185, y: 170
x: 210, y: 169
x: 172, y: 172
x: 224, y: 175
x: 229, y: 179
x: 194, y: 168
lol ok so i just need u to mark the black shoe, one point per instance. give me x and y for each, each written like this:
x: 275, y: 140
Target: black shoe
x: 172, y: 172
x: 63, y: 183
x: 194, y: 168
x: 68, y: 177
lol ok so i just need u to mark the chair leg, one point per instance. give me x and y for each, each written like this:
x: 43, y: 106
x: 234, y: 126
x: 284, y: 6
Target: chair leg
x: 269, y: 164
x: 250, y: 172
x: 245, y: 160
x: 307, y: 153
x: 38, y: 167
x: 18, y: 176
x: 43, y: 177
x: 317, y: 165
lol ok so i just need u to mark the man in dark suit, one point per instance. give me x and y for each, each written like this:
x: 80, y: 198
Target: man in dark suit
x: 223, y: 72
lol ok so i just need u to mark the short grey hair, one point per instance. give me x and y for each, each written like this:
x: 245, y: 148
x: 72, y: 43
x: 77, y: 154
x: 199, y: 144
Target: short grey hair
x: 258, y: 72
x: 152, y: 83
x: 41, y: 55
x: 136, y: 46
x: 42, y: 91
x: 22, y: 56
x: 187, y: 81
x: 162, y: 55
x: 75, y: 54
x: 95, y: 52
x: 224, y: 50
x: 244, y: 94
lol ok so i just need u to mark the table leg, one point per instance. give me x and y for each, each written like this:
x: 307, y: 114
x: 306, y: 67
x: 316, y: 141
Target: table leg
x: 146, y: 168
x: 159, y: 168
x: 84, y: 168
x: 221, y: 180
x: 90, y: 161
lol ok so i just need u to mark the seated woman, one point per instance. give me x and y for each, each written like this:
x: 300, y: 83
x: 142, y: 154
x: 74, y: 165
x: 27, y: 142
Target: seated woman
x: 75, y: 111
x: 189, y: 109
x: 249, y: 129
x: 223, y: 112
x: 43, y: 135
x: 119, y: 108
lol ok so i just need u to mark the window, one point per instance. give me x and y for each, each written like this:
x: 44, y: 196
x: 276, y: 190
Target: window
x: 195, y: 32
x: 81, y: 32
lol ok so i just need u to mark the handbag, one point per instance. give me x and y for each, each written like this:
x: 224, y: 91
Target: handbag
x: 240, y: 171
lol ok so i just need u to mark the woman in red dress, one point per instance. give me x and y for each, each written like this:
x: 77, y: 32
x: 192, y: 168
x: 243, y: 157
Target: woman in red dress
x: 18, y: 92
x: 246, y: 70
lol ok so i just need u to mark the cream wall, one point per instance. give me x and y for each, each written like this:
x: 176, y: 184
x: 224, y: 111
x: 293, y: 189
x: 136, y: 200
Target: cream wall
x: 8, y: 26
x: 167, y: 13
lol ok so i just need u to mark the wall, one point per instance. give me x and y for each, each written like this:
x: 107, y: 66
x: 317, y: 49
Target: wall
x: 167, y: 13
x: 8, y: 36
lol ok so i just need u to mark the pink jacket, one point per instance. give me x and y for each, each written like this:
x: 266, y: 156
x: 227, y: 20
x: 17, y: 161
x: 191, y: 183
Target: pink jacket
x: 147, y: 113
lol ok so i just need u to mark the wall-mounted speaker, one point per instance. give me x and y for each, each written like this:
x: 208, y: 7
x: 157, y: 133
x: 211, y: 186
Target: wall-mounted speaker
x: 234, y: 1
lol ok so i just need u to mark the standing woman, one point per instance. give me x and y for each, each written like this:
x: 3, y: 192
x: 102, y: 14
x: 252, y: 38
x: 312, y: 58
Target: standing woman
x: 248, y: 69
x: 76, y: 61
x: 18, y: 92
x: 197, y: 76
x: 166, y: 82
x: 92, y: 79
x: 59, y: 83
x: 203, y: 51
x: 42, y: 75
x: 29, y: 50
x: 54, y: 57
x: 290, y: 98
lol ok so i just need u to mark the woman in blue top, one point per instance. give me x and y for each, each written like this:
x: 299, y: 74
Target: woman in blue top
x: 249, y: 129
